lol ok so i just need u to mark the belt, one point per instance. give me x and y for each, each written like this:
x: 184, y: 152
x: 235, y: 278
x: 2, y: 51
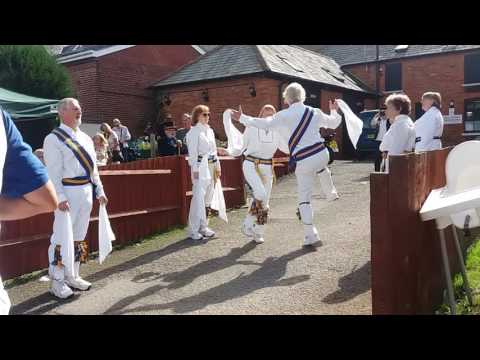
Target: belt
x: 308, y: 151
x: 76, y: 181
x: 258, y: 160
x: 418, y: 139
x: 211, y: 159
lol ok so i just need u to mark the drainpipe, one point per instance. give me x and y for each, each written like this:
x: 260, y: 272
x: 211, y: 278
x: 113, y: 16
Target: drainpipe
x: 377, y: 69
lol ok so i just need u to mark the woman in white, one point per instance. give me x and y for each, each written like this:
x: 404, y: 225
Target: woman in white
x: 400, y: 138
x: 205, y: 168
x: 259, y: 146
x: 429, y: 128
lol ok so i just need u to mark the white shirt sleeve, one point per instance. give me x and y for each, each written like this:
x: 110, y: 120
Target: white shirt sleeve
x: 127, y: 134
x: 52, y: 156
x: 270, y: 122
x: 192, y: 145
x: 385, y: 145
x: 211, y: 135
x: 331, y: 121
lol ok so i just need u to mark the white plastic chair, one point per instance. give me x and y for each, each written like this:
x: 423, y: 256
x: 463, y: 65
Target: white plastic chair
x: 456, y: 205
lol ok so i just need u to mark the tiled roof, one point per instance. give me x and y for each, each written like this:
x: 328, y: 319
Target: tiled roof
x: 287, y: 60
x: 357, y: 54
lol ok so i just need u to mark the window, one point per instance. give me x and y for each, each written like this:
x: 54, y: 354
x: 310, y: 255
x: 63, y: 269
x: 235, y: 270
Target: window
x: 472, y: 115
x: 393, y: 77
x: 472, y: 68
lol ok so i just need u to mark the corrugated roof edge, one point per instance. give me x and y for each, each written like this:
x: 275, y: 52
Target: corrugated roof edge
x: 157, y: 82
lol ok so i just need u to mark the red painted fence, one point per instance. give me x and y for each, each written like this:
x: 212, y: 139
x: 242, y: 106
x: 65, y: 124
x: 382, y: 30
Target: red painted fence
x: 407, y: 273
x: 145, y: 197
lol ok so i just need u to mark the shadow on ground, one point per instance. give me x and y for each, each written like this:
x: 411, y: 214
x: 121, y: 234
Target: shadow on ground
x: 47, y: 302
x: 351, y: 285
x: 269, y: 274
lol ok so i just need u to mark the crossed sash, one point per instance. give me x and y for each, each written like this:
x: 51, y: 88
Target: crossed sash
x: 297, y: 136
x: 82, y: 156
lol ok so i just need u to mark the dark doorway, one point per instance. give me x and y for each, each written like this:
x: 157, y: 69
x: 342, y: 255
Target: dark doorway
x: 418, y: 110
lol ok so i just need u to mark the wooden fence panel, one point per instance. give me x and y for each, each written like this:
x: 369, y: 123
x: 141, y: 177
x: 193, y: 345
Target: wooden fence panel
x: 407, y: 274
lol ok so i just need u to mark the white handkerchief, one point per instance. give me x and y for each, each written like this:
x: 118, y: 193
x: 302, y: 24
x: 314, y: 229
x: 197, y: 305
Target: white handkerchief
x: 354, y: 123
x: 105, y: 234
x: 218, y: 201
x: 234, y: 136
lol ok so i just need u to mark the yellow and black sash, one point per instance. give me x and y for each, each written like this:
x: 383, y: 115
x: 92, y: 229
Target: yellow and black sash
x: 82, y: 156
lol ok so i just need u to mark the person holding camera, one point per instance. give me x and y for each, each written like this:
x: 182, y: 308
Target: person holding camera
x: 381, y: 123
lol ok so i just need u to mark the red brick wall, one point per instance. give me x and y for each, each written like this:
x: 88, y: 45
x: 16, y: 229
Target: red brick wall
x: 122, y: 80
x: 223, y: 94
x: 443, y: 73
x: 84, y: 80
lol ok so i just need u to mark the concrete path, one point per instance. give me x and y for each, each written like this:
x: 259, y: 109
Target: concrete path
x: 168, y: 274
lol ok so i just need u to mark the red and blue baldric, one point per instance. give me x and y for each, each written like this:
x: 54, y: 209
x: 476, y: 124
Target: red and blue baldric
x: 82, y: 156
x: 297, y: 136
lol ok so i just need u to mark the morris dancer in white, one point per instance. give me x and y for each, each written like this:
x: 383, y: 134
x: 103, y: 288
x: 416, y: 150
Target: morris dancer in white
x: 205, y: 169
x: 71, y: 163
x: 400, y: 138
x: 300, y: 126
x: 259, y: 146
x: 429, y: 128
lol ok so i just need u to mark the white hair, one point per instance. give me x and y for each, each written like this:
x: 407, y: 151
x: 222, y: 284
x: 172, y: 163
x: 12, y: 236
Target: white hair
x: 293, y: 93
x: 64, y: 103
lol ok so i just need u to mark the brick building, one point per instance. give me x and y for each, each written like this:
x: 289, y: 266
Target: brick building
x: 113, y: 80
x: 255, y: 75
x: 452, y: 70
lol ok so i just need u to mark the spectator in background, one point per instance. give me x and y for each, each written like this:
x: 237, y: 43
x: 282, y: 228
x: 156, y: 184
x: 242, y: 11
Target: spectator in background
x: 123, y: 137
x: 182, y: 132
x: 113, y: 143
x: 429, y: 128
x: 382, y: 125
x: 101, y: 149
x: 400, y: 138
x: 169, y: 145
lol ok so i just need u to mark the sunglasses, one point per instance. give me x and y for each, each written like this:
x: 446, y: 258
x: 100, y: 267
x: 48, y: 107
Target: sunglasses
x: 206, y: 114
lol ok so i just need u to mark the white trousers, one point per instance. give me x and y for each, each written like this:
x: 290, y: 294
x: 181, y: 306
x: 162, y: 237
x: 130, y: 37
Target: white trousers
x: 262, y: 189
x: 202, y: 195
x: 306, y: 174
x: 80, y: 201
x: 326, y: 182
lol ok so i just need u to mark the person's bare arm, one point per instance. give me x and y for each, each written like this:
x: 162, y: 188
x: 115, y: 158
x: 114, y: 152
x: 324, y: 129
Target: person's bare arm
x: 39, y: 201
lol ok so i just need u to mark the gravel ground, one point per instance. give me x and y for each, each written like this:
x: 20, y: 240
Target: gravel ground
x: 169, y: 274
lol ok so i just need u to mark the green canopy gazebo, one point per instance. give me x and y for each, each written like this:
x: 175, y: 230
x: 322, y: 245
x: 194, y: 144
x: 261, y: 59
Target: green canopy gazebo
x: 34, y: 117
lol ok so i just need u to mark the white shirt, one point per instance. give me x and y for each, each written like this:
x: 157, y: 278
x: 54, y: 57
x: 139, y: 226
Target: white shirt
x: 400, y: 138
x: 61, y: 162
x: 430, y: 125
x: 382, y: 127
x: 113, y: 143
x: 122, y: 133
x: 287, y: 120
x: 201, y: 142
x: 261, y: 143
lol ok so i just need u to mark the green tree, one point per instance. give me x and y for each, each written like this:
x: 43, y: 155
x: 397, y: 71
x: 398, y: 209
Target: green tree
x: 31, y: 70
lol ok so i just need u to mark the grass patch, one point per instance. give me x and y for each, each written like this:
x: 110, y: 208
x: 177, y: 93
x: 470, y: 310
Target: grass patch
x: 473, y: 273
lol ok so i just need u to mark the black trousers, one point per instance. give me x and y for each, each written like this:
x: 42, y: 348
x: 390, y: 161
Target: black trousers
x: 378, y: 160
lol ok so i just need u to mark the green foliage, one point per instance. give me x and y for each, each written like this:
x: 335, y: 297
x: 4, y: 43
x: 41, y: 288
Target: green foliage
x: 472, y: 265
x: 31, y: 70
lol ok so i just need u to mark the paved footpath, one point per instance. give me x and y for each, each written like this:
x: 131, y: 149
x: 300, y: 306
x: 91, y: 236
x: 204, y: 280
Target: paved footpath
x: 169, y: 274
